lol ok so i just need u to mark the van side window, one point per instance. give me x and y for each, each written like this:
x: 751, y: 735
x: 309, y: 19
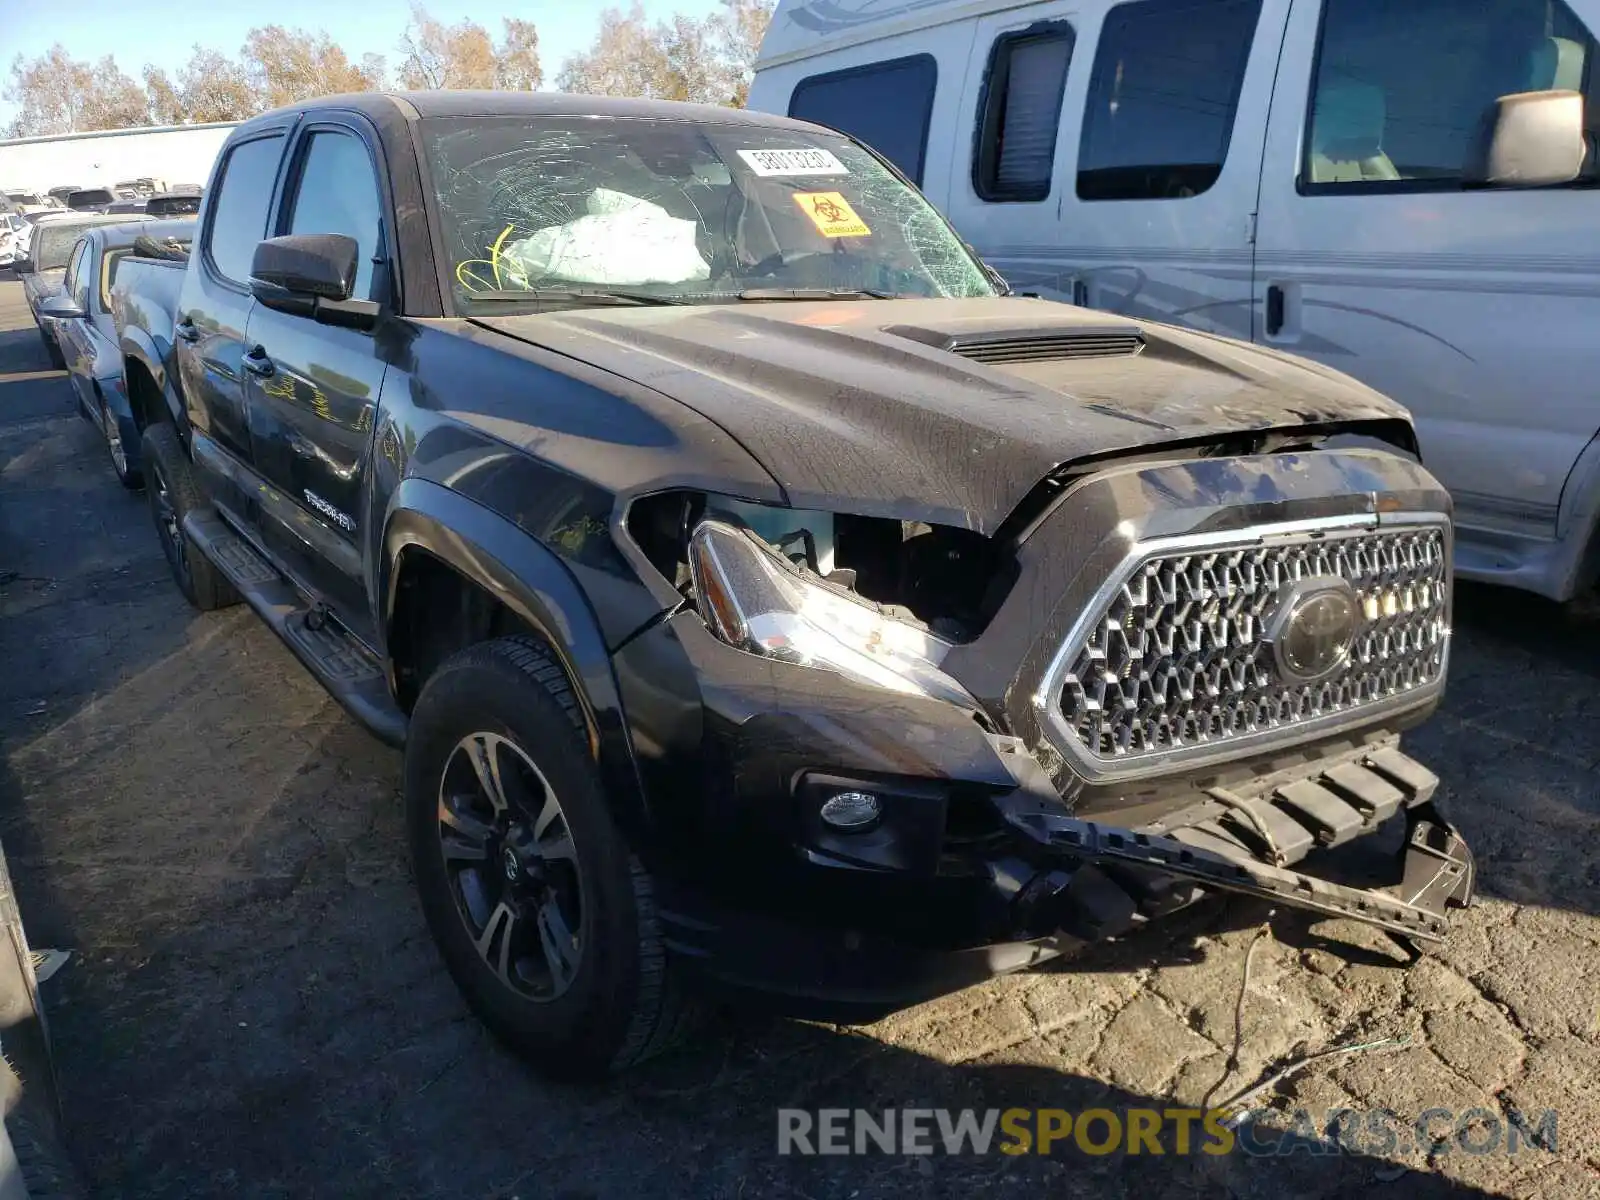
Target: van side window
x: 1019, y: 113
x: 887, y: 105
x: 1166, y: 83
x: 1401, y: 90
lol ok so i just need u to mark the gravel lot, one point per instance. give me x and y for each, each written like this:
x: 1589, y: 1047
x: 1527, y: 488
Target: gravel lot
x: 254, y: 1007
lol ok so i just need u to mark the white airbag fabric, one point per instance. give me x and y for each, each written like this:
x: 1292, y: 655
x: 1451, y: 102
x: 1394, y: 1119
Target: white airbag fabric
x: 624, y: 240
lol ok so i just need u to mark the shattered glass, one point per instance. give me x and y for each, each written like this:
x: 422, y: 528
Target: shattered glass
x: 718, y: 210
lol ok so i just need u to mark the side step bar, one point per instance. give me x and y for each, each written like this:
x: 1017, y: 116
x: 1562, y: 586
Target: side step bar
x: 346, y: 668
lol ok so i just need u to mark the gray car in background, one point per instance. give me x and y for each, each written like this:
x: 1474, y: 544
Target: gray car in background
x: 49, y: 251
x: 86, y: 332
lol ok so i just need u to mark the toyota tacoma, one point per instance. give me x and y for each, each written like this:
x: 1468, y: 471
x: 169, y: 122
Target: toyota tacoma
x: 763, y: 596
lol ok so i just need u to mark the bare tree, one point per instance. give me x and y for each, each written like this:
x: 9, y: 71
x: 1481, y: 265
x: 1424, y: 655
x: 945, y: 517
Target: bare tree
x: 740, y: 26
x: 375, y: 70
x: 53, y: 94
x: 628, y: 58
x: 114, y: 100
x: 517, y: 60
x: 167, y: 106
x: 216, y: 88
x: 436, y: 55
x: 708, y: 62
x: 285, y: 66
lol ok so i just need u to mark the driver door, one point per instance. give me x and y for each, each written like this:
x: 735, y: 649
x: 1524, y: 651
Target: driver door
x: 313, y: 389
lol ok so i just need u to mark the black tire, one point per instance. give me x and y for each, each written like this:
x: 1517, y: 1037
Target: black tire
x: 622, y: 1005
x: 111, y: 432
x: 53, y: 349
x: 173, y: 495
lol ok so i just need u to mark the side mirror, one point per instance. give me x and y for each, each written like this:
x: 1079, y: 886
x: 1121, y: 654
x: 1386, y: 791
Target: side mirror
x: 314, y: 266
x: 311, y: 275
x: 23, y: 265
x: 61, y: 308
x: 1530, y: 139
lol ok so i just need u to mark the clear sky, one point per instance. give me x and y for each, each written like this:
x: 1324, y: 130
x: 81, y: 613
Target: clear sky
x: 164, y: 32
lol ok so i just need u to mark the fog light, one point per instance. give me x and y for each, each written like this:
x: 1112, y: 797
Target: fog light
x: 850, y: 810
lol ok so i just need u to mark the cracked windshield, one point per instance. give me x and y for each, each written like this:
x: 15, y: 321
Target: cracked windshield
x: 618, y: 210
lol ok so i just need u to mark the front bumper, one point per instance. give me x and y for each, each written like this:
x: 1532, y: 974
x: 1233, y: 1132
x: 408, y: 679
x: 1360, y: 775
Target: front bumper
x: 1051, y: 883
x: 988, y: 855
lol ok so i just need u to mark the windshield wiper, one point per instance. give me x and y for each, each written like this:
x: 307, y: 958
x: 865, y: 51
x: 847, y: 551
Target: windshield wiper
x: 584, y: 295
x: 816, y: 294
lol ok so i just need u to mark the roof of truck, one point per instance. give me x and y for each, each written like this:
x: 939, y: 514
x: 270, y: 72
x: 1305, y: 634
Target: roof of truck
x: 415, y: 105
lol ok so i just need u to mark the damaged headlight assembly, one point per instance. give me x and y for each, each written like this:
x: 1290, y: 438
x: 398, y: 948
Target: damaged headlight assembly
x: 756, y: 601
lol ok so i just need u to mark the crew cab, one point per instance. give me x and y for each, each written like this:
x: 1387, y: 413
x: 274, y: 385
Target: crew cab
x: 763, y: 597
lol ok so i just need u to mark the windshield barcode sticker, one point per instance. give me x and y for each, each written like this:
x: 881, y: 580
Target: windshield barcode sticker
x: 793, y: 162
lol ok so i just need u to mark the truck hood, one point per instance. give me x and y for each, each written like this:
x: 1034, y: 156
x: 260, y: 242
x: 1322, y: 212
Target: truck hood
x: 947, y: 411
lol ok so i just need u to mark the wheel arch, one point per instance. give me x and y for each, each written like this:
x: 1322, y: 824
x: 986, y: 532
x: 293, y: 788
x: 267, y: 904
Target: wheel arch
x: 149, y: 397
x: 512, y: 577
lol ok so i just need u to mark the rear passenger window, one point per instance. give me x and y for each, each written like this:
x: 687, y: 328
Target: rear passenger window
x: 1020, y: 112
x: 1162, y: 98
x: 886, y: 105
x: 1401, y: 90
x: 238, y: 219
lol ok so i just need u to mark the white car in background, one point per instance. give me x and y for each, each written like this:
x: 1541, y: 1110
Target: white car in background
x: 11, y: 226
x: 31, y: 218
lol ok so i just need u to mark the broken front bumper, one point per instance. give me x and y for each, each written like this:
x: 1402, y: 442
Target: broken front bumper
x: 1092, y: 880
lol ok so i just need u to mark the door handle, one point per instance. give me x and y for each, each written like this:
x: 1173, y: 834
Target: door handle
x: 1274, y: 310
x: 186, y: 331
x: 257, y: 363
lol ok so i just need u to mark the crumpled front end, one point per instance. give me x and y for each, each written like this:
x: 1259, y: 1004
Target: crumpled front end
x: 1195, y: 677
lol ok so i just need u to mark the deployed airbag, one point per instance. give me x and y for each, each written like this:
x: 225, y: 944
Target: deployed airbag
x: 623, y: 240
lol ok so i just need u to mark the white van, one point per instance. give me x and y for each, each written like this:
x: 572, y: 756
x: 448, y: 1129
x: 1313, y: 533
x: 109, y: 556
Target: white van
x: 1304, y: 173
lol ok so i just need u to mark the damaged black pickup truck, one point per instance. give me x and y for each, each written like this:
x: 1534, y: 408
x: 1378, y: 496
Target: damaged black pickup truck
x: 762, y: 596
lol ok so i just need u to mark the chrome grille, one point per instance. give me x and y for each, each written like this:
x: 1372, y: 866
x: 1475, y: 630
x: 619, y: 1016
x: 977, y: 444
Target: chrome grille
x: 1174, y: 660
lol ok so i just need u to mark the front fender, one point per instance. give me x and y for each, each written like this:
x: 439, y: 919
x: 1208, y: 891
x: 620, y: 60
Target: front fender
x: 532, y: 582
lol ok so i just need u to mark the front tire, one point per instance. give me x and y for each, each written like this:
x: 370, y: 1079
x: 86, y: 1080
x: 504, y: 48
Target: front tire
x: 173, y: 495
x: 544, y: 918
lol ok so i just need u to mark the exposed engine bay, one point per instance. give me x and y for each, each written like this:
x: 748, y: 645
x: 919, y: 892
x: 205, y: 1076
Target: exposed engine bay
x: 948, y: 581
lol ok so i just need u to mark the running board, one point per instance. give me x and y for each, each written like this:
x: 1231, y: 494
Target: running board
x: 346, y: 668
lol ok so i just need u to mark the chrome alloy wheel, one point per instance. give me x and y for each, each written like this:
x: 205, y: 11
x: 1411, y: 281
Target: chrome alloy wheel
x: 512, y: 867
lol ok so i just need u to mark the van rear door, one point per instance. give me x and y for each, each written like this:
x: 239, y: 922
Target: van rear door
x: 1476, y: 309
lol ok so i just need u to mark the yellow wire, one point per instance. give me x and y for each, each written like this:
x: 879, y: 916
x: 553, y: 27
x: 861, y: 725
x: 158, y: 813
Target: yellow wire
x: 469, y: 279
x: 494, y: 253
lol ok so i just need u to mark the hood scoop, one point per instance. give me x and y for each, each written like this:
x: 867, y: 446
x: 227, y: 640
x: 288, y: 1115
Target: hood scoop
x: 1002, y: 347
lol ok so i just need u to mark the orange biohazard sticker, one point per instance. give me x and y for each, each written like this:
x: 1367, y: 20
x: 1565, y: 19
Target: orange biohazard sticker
x: 831, y: 214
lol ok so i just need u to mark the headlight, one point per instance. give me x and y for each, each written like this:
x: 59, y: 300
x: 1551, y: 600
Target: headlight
x: 754, y: 600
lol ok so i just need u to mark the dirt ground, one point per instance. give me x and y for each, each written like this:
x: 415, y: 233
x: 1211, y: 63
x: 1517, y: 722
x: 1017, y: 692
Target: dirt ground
x: 253, y: 1007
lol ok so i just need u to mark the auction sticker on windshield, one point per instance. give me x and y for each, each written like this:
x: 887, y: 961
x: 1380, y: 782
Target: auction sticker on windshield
x: 831, y: 214
x: 814, y: 161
